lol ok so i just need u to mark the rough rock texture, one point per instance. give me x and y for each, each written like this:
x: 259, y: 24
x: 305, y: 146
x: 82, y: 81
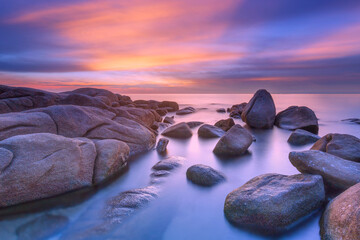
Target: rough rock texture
x: 295, y: 117
x: 341, y: 217
x: 225, y: 124
x: 180, y: 130
x: 112, y: 156
x: 42, y: 227
x: 260, y: 111
x: 194, y: 124
x: 162, y: 144
x: 341, y: 145
x: 271, y: 203
x: 210, y: 131
x: 302, y: 137
x: 236, y: 141
x: 185, y: 111
x: 204, y: 175
x: 236, y: 110
x: 43, y: 165
x: 338, y: 173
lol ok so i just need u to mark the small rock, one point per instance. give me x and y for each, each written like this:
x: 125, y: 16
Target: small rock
x: 180, y: 130
x: 352, y: 120
x: 185, y: 111
x: 171, y: 106
x: 194, y: 124
x: 302, y: 137
x: 169, y: 120
x: 168, y: 164
x: 210, y: 131
x: 221, y: 110
x: 225, y: 124
x: 162, y: 144
x: 236, y: 110
x: 204, y: 175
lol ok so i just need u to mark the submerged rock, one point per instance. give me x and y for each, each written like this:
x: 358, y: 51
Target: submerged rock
x: 271, y: 203
x: 185, y: 111
x: 221, y: 110
x: 295, y: 117
x: 204, y: 175
x: 341, y: 217
x: 168, y: 164
x: 260, y: 111
x: 341, y: 145
x: 161, y: 145
x: 169, y: 120
x: 194, y: 124
x: 302, y: 137
x: 352, y: 120
x: 180, y: 130
x: 235, y: 142
x: 225, y: 124
x: 338, y: 173
x: 210, y: 131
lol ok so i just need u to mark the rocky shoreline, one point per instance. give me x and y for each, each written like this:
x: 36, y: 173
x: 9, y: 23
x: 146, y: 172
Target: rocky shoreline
x: 54, y: 143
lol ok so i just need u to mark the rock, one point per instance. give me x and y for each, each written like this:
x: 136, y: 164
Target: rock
x: 42, y: 227
x: 341, y: 217
x: 338, y: 173
x: 260, y: 111
x: 44, y: 165
x: 210, y: 131
x: 169, y: 120
x: 341, y: 145
x: 204, y: 175
x: 302, y: 137
x: 162, y: 111
x: 185, y: 111
x: 352, y: 120
x: 168, y: 164
x: 236, y: 110
x: 172, y: 106
x: 221, y: 110
x: 194, y: 124
x: 180, y: 130
x: 225, y: 124
x: 102, y: 94
x: 295, y: 117
x: 271, y: 203
x: 112, y: 156
x: 235, y: 142
x: 162, y: 144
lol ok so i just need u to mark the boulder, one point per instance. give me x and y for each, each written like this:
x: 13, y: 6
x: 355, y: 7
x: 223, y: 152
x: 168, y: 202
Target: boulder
x: 225, y: 124
x: 272, y: 203
x: 260, y: 111
x: 194, y: 124
x: 341, y: 145
x: 169, y: 120
x: 161, y: 145
x: 221, y: 110
x: 338, y: 173
x: 210, y: 131
x: 204, y: 175
x: 42, y: 165
x: 162, y: 111
x: 341, y: 217
x: 295, y: 117
x: 236, y: 110
x: 180, y: 130
x: 236, y: 141
x: 172, y: 106
x: 185, y: 111
x: 302, y: 137
x: 112, y: 156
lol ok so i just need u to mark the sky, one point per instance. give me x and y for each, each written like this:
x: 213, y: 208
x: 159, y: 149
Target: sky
x: 182, y: 46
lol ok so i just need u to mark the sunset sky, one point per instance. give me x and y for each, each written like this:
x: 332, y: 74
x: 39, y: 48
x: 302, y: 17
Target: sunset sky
x: 182, y: 46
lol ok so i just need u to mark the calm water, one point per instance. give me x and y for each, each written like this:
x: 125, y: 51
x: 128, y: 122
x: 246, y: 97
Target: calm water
x: 186, y: 211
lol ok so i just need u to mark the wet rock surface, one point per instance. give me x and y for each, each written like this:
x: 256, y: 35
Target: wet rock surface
x: 301, y: 137
x: 194, y: 124
x: 210, y: 131
x: 161, y: 145
x: 185, y: 111
x: 225, y: 124
x: 204, y: 175
x: 180, y: 130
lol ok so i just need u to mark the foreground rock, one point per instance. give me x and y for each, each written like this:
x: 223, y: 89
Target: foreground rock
x: 295, y: 117
x: 236, y: 110
x: 260, y: 111
x: 42, y: 165
x: 180, y: 130
x: 161, y: 145
x: 341, y: 217
x: 210, y: 131
x: 185, y: 111
x: 204, y: 175
x: 341, y: 145
x: 42, y: 227
x: 338, y: 173
x: 225, y: 124
x: 235, y: 142
x: 302, y: 137
x: 271, y: 203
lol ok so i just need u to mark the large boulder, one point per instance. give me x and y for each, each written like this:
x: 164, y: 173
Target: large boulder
x: 112, y: 156
x: 272, y: 203
x: 260, y: 111
x: 210, y: 131
x: 180, y: 130
x: 338, y: 174
x: 171, y: 106
x: 341, y: 145
x: 295, y: 117
x: 341, y: 217
x: 225, y: 124
x: 302, y: 137
x: 236, y: 141
x: 185, y: 111
x: 42, y: 165
x: 204, y: 175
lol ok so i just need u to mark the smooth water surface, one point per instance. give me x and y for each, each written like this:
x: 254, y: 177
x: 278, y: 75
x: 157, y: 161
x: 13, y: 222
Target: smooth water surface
x: 186, y: 211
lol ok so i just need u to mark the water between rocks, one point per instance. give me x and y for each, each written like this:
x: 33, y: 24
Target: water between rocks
x: 184, y: 210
